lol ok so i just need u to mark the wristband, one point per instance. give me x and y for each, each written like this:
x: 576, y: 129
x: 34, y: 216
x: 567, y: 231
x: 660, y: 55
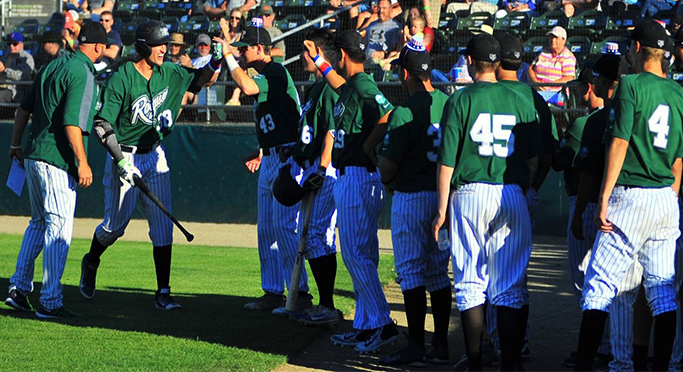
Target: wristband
x: 12, y: 147
x: 232, y: 62
x: 319, y: 61
x: 316, y: 58
x: 121, y: 163
x: 426, y: 8
x: 325, y: 68
x: 71, y: 42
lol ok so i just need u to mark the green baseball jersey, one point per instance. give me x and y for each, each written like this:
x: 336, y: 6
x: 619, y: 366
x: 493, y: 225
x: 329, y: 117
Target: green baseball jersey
x: 276, y: 107
x: 591, y: 156
x: 63, y: 94
x: 648, y: 113
x: 412, y: 140
x: 488, y: 133
x: 545, y: 117
x: 358, y: 109
x: 136, y: 106
x: 571, y: 143
x: 315, y: 120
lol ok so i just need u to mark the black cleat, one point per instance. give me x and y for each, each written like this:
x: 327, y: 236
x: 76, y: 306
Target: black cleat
x: 88, y: 277
x: 18, y: 301
x: 57, y: 313
x: 164, y: 301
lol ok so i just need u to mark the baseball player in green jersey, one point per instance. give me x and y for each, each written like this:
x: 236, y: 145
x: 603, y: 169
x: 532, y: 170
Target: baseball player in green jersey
x: 140, y: 103
x: 637, y: 210
x: 276, y: 111
x: 490, y: 145
x: 408, y: 167
x: 62, y: 104
x: 360, y: 117
x: 313, y: 152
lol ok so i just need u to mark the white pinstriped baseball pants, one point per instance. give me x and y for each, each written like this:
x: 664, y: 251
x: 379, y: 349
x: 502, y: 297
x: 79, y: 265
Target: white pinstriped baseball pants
x: 52, y: 192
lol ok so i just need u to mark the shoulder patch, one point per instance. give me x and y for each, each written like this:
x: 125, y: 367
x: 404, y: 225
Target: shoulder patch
x: 338, y: 110
x: 381, y: 100
x: 307, y: 106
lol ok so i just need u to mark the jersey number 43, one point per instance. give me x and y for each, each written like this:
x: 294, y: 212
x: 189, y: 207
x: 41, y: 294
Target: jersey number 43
x: 494, y: 135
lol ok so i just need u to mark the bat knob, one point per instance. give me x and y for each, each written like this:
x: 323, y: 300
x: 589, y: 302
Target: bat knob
x: 189, y: 237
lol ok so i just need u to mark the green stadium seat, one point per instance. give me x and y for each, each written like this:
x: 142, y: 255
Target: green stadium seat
x: 123, y: 14
x: 623, y: 21
x: 151, y: 13
x: 195, y: 24
x: 447, y: 21
x: 474, y: 20
x: 131, y: 5
x: 31, y: 47
x: 548, y: 20
x: 624, y: 44
x: 290, y: 22
x: 590, y: 23
x: 516, y: 23
x: 171, y: 22
x: 28, y: 27
x: 533, y: 46
x: 579, y: 45
x: 178, y: 9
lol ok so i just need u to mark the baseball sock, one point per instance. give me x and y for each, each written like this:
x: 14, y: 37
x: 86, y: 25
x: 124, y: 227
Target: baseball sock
x: 324, y: 271
x: 590, y: 335
x: 441, y: 312
x: 665, y: 332
x: 511, y: 331
x: 640, y: 357
x: 96, y: 249
x: 162, y: 263
x: 473, y: 327
x: 415, y: 301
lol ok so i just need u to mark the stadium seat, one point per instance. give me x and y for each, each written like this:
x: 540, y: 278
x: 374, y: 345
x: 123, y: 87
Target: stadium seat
x: 128, y: 52
x: 447, y: 21
x: 666, y: 16
x: 624, y: 44
x: 548, y: 20
x: 3, y: 48
x: 590, y: 23
x: 290, y: 22
x: 124, y: 15
x: 515, y: 23
x: 31, y: 47
x: 195, y: 24
x: 128, y: 30
x: 43, y: 29
x: 623, y: 21
x: 579, y: 45
x: 151, y: 13
x: 178, y: 9
x: 474, y: 20
x: 171, y: 22
x: 533, y: 46
x: 131, y: 5
x: 28, y: 27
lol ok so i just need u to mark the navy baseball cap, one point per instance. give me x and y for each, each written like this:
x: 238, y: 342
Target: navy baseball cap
x: 15, y: 37
x: 414, y: 56
x: 483, y: 47
x: 254, y: 35
x: 585, y: 76
x: 610, y: 66
x: 93, y: 33
x: 510, y: 46
x: 651, y: 34
x: 350, y: 40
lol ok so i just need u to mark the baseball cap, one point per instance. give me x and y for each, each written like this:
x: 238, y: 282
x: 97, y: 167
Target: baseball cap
x: 608, y: 65
x: 483, y: 47
x: 68, y: 20
x: 510, y: 46
x: 558, y: 31
x: 414, y: 56
x: 651, y: 34
x: 265, y: 9
x: 350, y: 40
x: 585, y: 76
x: 16, y: 37
x: 203, y: 39
x: 254, y: 35
x: 93, y: 33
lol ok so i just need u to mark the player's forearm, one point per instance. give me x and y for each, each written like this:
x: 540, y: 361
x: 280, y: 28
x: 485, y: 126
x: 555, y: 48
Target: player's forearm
x: 112, y: 52
x: 616, y: 153
x: 213, y: 11
x: 587, y: 186
x: 75, y: 136
x: 326, y: 156
x: 108, y: 6
x: 243, y: 81
x: 444, y: 174
x: 20, y: 122
x: 676, y: 171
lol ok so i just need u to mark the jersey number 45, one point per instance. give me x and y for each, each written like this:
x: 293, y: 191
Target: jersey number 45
x: 494, y: 135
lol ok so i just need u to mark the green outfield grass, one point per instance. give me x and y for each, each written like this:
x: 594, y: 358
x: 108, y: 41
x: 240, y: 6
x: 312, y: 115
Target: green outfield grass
x: 121, y: 329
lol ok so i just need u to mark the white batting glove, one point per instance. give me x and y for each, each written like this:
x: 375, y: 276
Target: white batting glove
x: 127, y: 171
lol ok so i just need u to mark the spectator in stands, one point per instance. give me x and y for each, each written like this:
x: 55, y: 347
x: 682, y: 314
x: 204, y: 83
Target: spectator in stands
x: 80, y: 6
x: 510, y: 6
x: 72, y: 27
x: 474, y: 6
x: 432, y: 10
x: 366, y: 17
x: 651, y: 7
x: 343, y: 20
x: 112, y: 51
x: 555, y: 64
x: 176, y: 51
x: 266, y: 13
x: 384, y: 35
x: 17, y: 65
x: 232, y: 29
x: 97, y: 7
x: 208, y: 94
x: 572, y: 7
x: 677, y: 67
x: 416, y: 24
x: 215, y: 9
x: 53, y: 48
x: 243, y: 5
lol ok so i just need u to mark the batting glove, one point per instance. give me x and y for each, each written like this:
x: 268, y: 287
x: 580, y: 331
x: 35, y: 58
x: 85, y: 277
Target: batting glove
x: 315, y: 180
x: 127, y: 172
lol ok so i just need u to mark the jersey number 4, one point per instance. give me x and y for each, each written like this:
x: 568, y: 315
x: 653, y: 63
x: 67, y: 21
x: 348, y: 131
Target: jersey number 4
x: 658, y: 123
x: 494, y: 135
x: 267, y: 124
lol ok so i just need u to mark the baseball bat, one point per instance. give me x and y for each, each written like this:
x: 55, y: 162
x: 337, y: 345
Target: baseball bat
x: 140, y: 184
x: 293, y: 293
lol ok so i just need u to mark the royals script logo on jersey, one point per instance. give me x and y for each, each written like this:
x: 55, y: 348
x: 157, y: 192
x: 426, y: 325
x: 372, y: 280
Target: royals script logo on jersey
x: 144, y: 111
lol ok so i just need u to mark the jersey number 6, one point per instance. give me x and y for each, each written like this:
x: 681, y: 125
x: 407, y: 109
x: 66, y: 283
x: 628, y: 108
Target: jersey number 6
x: 494, y: 135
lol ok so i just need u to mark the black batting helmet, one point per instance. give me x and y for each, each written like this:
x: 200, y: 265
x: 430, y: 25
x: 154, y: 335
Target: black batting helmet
x: 150, y: 33
x: 285, y: 188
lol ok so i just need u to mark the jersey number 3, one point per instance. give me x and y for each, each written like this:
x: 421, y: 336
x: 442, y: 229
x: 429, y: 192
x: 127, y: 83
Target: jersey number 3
x: 434, y: 133
x: 658, y: 123
x: 494, y: 135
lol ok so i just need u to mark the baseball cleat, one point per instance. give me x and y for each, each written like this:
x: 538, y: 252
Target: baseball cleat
x: 88, y: 277
x: 319, y: 316
x: 267, y: 302
x: 164, y: 301
x: 411, y: 355
x: 352, y: 338
x: 380, y: 337
x: 304, y: 302
x: 18, y: 301
x: 438, y: 353
x: 58, y: 313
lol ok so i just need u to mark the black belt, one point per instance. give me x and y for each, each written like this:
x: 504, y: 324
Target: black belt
x: 138, y: 149
x: 271, y: 150
x: 369, y: 168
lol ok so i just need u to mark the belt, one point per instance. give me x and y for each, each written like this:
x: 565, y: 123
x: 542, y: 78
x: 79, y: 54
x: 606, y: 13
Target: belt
x: 139, y: 149
x: 369, y: 168
x: 275, y: 149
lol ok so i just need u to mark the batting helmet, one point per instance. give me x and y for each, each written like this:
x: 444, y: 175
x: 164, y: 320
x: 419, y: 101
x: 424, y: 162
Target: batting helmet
x: 150, y: 33
x: 285, y: 188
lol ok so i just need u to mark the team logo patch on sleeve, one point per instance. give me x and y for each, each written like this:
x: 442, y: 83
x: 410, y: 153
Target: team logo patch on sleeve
x: 381, y: 100
x: 307, y: 106
x: 338, y: 110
